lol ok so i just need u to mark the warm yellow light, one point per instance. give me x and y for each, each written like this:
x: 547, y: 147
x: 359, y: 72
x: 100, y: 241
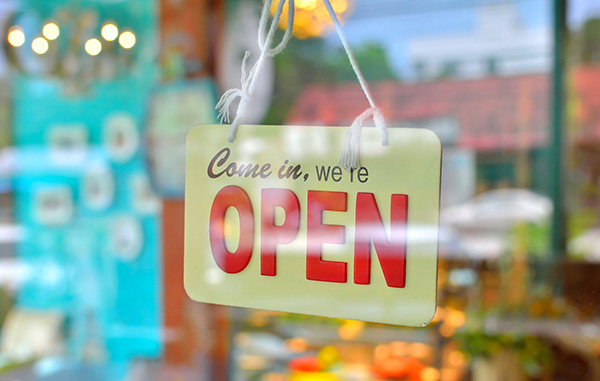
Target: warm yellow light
x: 39, y: 45
x: 309, y: 5
x: 449, y: 374
x: 93, y: 46
x: 339, y: 6
x: 110, y: 32
x: 430, y: 374
x: 127, y: 40
x: 312, y: 18
x: 420, y: 350
x: 399, y: 348
x: 16, y: 37
x: 382, y: 352
x: 51, y: 31
x: 456, y: 359
x: 350, y: 330
x: 446, y: 330
x: 297, y: 345
x: 455, y: 318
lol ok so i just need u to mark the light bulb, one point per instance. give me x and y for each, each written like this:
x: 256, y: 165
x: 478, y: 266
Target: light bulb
x: 16, y: 37
x: 93, y: 46
x: 51, y: 31
x: 110, y: 32
x: 127, y: 40
x: 39, y: 45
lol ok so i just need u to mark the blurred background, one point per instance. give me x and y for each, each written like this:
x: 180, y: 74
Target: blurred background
x: 96, y: 98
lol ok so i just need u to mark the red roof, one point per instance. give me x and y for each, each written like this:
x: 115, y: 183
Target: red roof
x: 492, y: 113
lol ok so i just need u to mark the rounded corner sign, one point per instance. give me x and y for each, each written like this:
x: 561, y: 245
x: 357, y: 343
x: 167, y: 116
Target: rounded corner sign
x: 272, y: 222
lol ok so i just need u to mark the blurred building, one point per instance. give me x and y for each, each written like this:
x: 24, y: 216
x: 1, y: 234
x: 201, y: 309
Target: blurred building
x: 503, y: 121
x: 500, y: 45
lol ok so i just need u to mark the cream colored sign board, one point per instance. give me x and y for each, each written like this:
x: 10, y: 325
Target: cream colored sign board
x: 272, y: 222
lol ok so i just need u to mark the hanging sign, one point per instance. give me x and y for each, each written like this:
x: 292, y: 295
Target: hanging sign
x: 272, y: 222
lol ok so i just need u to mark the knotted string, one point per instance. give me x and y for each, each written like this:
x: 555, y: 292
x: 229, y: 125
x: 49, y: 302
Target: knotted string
x: 350, y: 152
x: 248, y: 83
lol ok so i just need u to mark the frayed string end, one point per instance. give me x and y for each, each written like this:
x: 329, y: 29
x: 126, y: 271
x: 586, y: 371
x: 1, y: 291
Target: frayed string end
x: 349, y: 158
x: 249, y: 78
x: 225, y: 103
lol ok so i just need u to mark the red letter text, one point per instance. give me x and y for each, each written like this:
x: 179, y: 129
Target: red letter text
x: 319, y: 233
x: 271, y: 234
x: 231, y: 196
x: 369, y: 228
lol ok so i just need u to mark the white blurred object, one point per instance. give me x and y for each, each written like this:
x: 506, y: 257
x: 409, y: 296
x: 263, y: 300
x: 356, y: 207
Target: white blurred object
x: 12, y: 273
x: 28, y: 334
x: 587, y: 245
x: 498, y: 209
x: 483, y: 223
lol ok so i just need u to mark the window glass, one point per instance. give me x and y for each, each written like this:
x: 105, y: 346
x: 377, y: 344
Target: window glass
x: 96, y: 101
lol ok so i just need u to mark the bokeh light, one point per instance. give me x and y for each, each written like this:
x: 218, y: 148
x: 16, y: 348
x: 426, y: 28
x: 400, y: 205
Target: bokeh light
x: 455, y: 318
x: 456, y: 359
x: 351, y: 329
x: 297, y: 345
x: 16, y: 37
x: 127, y: 40
x: 93, y: 46
x: 110, y: 32
x: 430, y: 374
x: 51, y: 31
x: 39, y: 45
x: 308, y: 5
x: 311, y: 16
x: 446, y: 330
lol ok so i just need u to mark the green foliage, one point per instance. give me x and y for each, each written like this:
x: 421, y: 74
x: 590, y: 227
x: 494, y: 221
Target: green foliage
x: 590, y: 41
x: 311, y: 61
x: 581, y: 221
x: 533, y: 237
x: 371, y: 58
x: 586, y: 42
x: 533, y: 352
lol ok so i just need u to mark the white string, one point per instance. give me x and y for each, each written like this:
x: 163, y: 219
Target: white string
x: 350, y: 152
x: 248, y: 82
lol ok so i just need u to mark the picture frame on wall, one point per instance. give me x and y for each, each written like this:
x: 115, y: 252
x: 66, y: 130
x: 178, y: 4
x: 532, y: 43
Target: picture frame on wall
x: 98, y: 188
x: 126, y: 237
x: 68, y: 142
x: 121, y: 137
x: 54, y: 205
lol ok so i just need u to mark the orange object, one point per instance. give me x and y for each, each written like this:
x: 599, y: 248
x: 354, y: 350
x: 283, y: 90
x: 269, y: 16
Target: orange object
x: 398, y: 368
x: 305, y: 364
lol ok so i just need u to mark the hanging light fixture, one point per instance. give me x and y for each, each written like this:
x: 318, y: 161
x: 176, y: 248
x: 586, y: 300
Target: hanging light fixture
x: 311, y: 18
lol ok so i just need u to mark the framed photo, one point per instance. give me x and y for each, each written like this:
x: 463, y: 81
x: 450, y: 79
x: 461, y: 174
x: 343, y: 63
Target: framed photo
x: 126, y: 238
x: 54, y: 205
x: 68, y: 142
x: 121, y: 137
x: 98, y: 188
